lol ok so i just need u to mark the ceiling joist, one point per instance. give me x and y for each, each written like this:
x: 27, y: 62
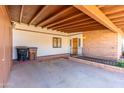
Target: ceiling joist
x: 95, y: 13
x: 64, y: 20
x: 38, y: 14
x: 21, y: 13
x: 79, y: 25
x: 71, y: 17
x: 47, y: 21
x: 114, y: 10
x: 73, y: 22
x: 84, y: 29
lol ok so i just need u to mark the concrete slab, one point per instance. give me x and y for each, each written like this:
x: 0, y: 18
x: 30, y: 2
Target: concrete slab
x: 62, y: 73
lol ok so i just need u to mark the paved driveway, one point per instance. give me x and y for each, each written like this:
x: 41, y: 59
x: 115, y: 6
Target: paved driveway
x: 63, y: 74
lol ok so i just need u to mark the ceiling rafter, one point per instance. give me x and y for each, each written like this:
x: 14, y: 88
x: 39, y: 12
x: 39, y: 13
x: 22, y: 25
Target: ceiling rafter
x: 110, y: 17
x: 117, y: 19
x: 100, y: 6
x: 54, y: 17
x: 95, y: 13
x: 111, y: 11
x: 80, y: 24
x: 82, y: 30
x: 21, y: 13
x: 81, y: 27
x: 66, y: 19
x: 38, y: 14
x: 75, y: 20
x: 119, y: 24
x: 71, y: 23
x: 115, y: 15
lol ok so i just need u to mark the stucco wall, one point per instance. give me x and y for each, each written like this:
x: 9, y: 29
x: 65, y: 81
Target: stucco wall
x: 102, y: 44
x: 41, y: 40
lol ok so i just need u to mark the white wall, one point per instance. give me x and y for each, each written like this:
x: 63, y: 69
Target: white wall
x: 40, y: 40
x: 24, y: 35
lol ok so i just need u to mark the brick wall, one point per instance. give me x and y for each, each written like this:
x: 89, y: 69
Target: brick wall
x: 102, y: 44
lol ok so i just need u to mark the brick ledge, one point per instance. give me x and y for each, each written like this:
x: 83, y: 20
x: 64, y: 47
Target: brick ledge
x: 104, y: 66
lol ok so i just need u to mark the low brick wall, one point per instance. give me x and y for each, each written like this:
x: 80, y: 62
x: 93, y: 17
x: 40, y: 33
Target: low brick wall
x: 49, y: 57
x: 104, y: 66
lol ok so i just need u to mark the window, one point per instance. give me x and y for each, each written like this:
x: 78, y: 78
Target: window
x: 57, y: 42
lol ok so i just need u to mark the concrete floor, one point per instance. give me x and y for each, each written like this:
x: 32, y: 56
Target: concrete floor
x: 62, y: 73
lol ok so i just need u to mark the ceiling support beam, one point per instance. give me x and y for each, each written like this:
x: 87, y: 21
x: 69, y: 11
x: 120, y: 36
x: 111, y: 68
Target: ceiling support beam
x: 100, y: 6
x: 115, y: 15
x: 79, y: 25
x: 113, y: 18
x: 83, y: 30
x: 114, y: 10
x: 54, y: 17
x: 72, y: 23
x: 64, y: 20
x: 38, y: 14
x: 95, y: 13
x: 21, y: 13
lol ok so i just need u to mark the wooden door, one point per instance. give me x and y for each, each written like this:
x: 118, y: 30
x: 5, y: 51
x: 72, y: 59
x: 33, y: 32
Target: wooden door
x: 75, y: 46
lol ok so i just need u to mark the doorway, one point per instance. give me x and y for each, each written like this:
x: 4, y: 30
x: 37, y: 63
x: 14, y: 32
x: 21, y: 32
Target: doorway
x: 75, y: 46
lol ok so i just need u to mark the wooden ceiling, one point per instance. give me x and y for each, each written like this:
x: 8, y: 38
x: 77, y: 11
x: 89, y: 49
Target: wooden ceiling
x: 65, y: 18
x: 115, y: 13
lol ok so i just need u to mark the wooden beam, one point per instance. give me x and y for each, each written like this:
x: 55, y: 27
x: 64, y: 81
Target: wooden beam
x: 79, y: 25
x: 118, y: 24
x: 95, y: 13
x: 38, y: 14
x: 100, y: 6
x: 21, y: 13
x: 117, y: 19
x: 113, y: 16
x: 82, y: 30
x: 91, y: 28
x: 122, y: 26
x: 64, y: 20
x: 115, y: 9
x: 71, y: 23
x: 54, y: 17
x: 113, y: 19
x: 66, y: 31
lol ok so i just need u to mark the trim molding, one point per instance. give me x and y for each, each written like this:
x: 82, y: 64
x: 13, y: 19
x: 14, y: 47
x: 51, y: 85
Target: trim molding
x: 39, y: 32
x: 55, y: 56
x: 76, y: 34
x: 50, y: 57
x: 34, y: 31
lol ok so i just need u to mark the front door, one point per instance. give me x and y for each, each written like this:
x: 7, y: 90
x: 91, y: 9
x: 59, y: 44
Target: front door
x: 75, y: 46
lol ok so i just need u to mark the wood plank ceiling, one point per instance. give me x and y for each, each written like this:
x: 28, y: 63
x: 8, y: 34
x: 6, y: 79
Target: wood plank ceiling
x: 115, y: 13
x: 65, y: 18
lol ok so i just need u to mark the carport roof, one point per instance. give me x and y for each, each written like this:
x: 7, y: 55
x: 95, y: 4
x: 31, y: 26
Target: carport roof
x: 65, y: 18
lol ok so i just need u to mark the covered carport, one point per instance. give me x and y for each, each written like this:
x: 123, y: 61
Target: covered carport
x: 101, y: 28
